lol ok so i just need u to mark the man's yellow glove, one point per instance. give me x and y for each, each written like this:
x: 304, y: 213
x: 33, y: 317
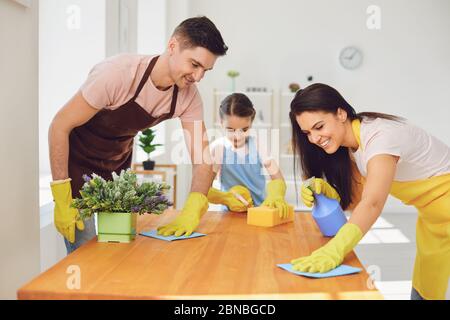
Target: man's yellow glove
x: 276, y: 191
x: 229, y: 199
x: 185, y: 223
x: 318, y: 186
x: 66, y: 218
x: 333, y: 253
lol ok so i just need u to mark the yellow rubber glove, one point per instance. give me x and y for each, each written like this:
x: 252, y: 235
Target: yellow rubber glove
x: 333, y: 253
x: 276, y: 191
x: 185, y: 223
x: 66, y: 218
x: 229, y: 199
x: 318, y: 186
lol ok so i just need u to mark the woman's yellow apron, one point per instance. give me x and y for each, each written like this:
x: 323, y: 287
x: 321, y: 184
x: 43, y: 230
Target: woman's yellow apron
x: 431, y: 197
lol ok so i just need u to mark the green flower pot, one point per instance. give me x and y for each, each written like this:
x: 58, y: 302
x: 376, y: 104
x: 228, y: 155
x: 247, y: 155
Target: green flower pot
x: 116, y: 227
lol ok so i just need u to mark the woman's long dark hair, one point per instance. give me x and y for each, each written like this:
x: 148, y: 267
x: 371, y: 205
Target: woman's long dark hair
x: 336, y: 167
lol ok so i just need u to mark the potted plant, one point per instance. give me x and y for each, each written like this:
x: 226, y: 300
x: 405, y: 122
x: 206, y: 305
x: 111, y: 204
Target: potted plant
x: 146, y: 143
x: 118, y: 202
x: 233, y: 74
x: 294, y: 87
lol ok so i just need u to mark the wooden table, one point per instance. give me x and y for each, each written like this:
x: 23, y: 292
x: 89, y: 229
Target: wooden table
x: 234, y: 261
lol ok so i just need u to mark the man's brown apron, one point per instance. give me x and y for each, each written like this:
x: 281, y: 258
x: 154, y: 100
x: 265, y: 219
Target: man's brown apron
x: 104, y: 144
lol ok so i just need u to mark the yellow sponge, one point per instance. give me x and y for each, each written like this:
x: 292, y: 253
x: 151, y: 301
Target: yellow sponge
x: 267, y: 217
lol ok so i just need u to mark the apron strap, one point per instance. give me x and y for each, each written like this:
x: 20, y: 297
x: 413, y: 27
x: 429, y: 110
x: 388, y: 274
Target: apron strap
x: 356, y: 128
x: 174, y: 101
x: 144, y: 79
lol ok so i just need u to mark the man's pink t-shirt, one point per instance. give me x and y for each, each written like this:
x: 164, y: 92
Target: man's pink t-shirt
x: 114, y: 81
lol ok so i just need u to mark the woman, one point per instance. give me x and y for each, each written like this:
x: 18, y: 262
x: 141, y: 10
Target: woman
x: 393, y: 157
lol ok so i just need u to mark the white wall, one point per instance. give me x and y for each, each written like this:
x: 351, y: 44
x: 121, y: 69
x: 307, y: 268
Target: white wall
x: 71, y: 42
x: 406, y: 63
x: 19, y: 227
x: 151, y: 39
x: 72, y: 39
x: 177, y: 11
x: 151, y: 21
x: 406, y: 68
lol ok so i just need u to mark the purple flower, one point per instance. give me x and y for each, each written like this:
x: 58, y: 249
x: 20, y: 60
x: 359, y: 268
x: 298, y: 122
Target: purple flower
x: 162, y: 199
x: 86, y: 178
x: 148, y: 201
x: 136, y: 209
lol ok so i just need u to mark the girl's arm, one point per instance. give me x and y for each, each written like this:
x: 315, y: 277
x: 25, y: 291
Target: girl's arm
x: 380, y: 175
x: 273, y: 169
x: 268, y: 162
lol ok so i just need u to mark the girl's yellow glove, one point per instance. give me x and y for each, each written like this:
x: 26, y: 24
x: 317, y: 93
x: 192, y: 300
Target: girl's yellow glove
x: 187, y: 221
x: 228, y: 198
x: 333, y: 253
x: 319, y: 186
x: 276, y: 191
x: 66, y: 218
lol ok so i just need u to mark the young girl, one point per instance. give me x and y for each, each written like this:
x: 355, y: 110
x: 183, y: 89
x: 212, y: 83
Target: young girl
x: 393, y: 157
x: 239, y: 163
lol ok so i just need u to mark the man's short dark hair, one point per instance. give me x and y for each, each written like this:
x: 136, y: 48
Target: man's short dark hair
x: 200, y: 32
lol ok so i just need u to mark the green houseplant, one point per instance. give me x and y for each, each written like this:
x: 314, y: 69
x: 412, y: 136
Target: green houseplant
x: 294, y: 87
x: 146, y: 143
x: 118, y: 202
x: 233, y: 74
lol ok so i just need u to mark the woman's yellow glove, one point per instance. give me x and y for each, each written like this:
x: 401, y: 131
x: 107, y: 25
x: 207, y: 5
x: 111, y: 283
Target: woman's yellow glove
x: 333, y: 253
x: 318, y: 186
x: 185, y: 223
x: 66, y: 218
x: 276, y: 191
x: 228, y: 198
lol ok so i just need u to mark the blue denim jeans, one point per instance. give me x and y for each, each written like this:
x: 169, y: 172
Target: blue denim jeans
x: 81, y: 237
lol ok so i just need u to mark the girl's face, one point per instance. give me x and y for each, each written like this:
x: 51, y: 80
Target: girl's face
x: 237, y: 129
x: 326, y: 130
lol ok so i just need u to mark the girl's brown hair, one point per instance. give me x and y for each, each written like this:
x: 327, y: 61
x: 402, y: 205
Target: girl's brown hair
x: 237, y: 104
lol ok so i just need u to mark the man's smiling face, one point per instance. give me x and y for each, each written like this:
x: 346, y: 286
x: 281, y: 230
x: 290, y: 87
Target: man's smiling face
x: 189, y: 65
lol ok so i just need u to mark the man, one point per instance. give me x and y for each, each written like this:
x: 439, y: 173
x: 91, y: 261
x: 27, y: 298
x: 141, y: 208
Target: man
x: 123, y: 95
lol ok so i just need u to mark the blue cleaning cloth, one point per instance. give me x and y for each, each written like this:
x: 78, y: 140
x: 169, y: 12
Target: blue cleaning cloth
x: 342, y: 270
x: 154, y: 234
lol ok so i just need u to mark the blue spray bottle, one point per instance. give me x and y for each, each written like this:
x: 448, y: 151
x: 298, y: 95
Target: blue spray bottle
x: 327, y: 213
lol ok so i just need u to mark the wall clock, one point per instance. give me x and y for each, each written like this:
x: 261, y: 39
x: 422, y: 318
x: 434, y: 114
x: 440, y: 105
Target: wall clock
x: 351, y: 58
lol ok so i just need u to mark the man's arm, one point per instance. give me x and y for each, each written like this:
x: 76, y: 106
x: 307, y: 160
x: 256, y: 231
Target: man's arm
x: 75, y: 113
x: 197, y: 143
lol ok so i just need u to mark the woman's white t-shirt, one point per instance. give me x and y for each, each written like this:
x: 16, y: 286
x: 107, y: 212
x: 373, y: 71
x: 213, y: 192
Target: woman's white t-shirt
x: 421, y: 155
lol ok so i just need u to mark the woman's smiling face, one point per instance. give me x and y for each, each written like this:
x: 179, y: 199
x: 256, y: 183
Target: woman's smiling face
x: 326, y: 130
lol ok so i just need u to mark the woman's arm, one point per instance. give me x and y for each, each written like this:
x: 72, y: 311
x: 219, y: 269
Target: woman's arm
x: 380, y: 174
